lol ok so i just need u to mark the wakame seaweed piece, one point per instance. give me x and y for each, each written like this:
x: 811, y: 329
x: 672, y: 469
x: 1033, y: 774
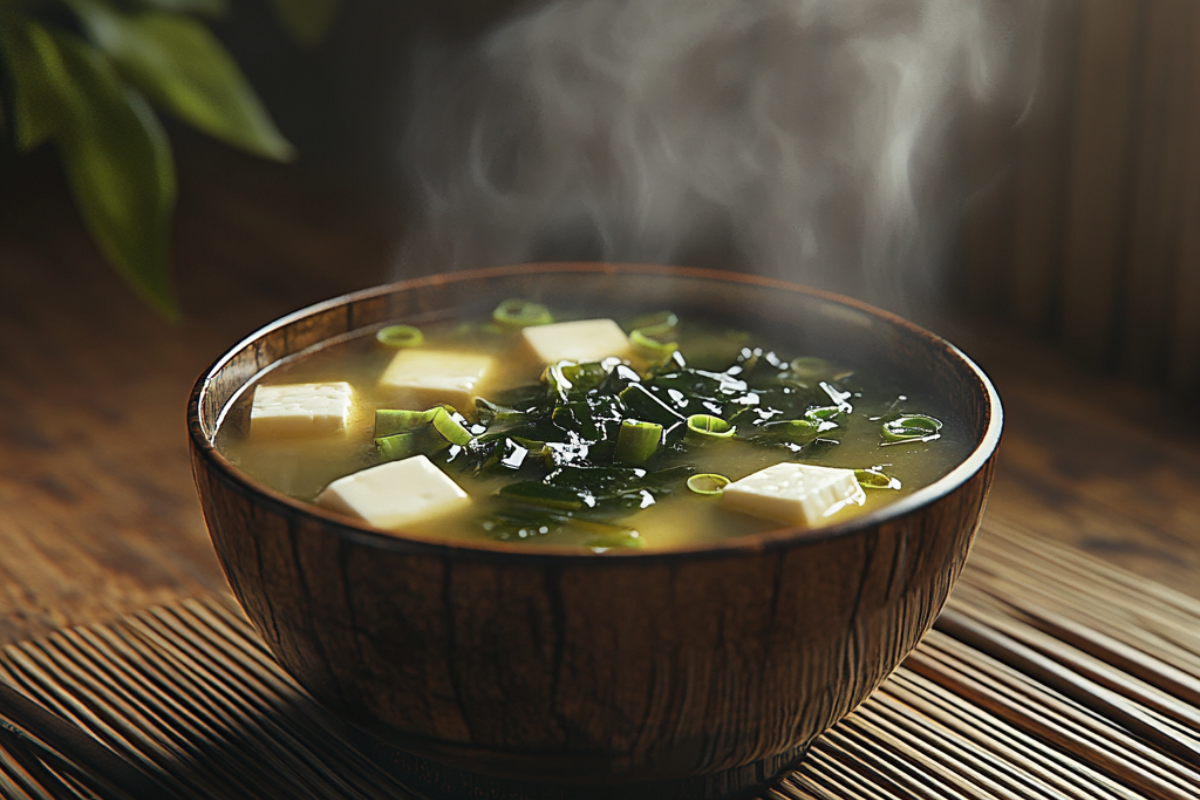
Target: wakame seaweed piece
x: 641, y: 403
x: 490, y: 413
x: 791, y: 431
x: 607, y: 491
x: 690, y: 392
x: 573, y: 451
x: 789, y: 402
x: 530, y: 524
x: 527, y: 399
x: 584, y: 490
x: 542, y: 495
x: 596, y: 417
x: 567, y: 380
x: 618, y: 379
x: 601, y: 492
x: 702, y: 382
x: 755, y: 365
x: 504, y: 456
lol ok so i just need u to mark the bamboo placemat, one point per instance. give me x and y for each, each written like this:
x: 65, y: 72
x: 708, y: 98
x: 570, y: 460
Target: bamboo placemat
x: 1049, y: 675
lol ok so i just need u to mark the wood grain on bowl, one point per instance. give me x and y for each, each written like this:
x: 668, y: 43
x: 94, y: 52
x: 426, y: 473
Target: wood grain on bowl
x: 569, y: 667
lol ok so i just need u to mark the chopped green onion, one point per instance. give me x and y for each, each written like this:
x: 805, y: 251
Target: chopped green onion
x: 650, y: 348
x: 796, y: 431
x: 399, y: 446
x: 708, y: 483
x: 400, y: 433
x: 518, y: 313
x: 910, y: 427
x: 450, y: 429
x: 637, y: 441
x: 706, y: 426
x: 389, y: 421
x: 400, y: 336
x: 876, y: 478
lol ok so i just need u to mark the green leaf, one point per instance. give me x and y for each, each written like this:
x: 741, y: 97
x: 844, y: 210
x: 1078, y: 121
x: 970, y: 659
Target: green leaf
x: 306, y: 21
x: 202, y: 8
x: 181, y: 67
x: 34, y: 99
x: 118, y: 162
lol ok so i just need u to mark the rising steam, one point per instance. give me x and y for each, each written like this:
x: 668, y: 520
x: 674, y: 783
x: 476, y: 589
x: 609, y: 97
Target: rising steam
x: 805, y: 139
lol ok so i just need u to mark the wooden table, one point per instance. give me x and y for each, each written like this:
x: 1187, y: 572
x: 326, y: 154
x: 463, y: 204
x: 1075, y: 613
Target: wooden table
x: 98, y: 515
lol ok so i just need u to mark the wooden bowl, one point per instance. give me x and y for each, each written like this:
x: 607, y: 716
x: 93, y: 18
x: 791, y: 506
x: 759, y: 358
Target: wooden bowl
x: 709, y: 666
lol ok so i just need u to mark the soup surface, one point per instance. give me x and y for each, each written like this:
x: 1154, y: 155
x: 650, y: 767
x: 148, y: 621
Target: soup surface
x: 543, y: 455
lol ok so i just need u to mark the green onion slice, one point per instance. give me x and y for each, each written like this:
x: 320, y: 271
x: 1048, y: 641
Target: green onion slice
x: 637, y: 441
x: 400, y: 433
x: 449, y: 428
x: 911, y: 427
x: 706, y: 426
x: 517, y: 313
x: 650, y: 348
x: 399, y: 446
x: 708, y: 483
x: 876, y: 478
x: 796, y: 431
x: 400, y: 336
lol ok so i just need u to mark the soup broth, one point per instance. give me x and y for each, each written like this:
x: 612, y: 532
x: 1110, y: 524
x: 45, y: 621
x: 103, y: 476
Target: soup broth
x: 520, y: 470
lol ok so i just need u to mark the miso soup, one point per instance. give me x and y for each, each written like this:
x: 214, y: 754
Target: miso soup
x: 623, y: 436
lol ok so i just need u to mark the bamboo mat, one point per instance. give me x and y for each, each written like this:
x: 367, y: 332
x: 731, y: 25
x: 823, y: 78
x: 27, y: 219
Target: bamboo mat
x: 1049, y: 675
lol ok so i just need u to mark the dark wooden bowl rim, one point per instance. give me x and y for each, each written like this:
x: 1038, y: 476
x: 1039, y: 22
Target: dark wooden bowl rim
x: 750, y: 544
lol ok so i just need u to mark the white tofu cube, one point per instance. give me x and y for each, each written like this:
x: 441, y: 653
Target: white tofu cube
x: 582, y: 341
x: 796, y: 494
x: 425, y: 378
x: 300, y: 409
x: 395, y: 494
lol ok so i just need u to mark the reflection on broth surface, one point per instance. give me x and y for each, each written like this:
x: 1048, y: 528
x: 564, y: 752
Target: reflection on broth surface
x: 594, y: 448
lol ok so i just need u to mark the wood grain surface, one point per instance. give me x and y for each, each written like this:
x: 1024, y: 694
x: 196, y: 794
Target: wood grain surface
x: 1049, y: 675
x: 98, y: 514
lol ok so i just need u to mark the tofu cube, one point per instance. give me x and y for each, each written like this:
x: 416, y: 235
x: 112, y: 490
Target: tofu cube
x: 425, y: 378
x: 300, y: 409
x: 582, y: 341
x: 395, y: 494
x: 796, y: 494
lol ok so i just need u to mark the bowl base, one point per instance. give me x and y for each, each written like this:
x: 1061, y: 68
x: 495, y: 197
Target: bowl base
x: 436, y: 781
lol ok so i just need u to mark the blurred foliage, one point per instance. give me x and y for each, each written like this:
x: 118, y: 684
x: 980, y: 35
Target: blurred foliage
x: 89, y: 77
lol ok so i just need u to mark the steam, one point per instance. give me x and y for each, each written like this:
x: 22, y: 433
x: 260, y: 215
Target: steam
x: 804, y: 139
